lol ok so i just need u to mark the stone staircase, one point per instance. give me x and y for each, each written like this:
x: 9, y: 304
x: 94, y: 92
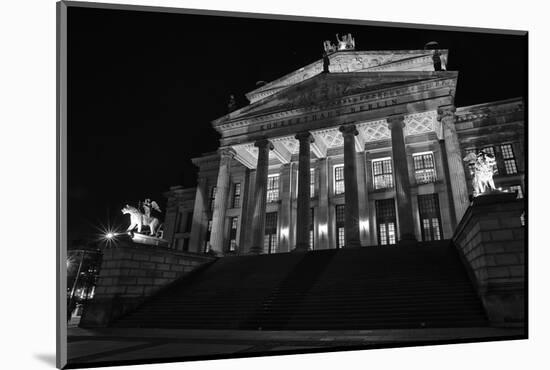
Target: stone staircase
x: 355, y: 288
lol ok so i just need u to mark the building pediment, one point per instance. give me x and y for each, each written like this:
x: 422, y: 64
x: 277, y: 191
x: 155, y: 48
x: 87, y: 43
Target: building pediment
x: 324, y: 88
x: 354, y: 61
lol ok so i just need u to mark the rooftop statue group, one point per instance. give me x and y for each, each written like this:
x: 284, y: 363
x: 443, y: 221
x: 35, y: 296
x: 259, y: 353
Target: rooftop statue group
x: 484, y: 168
x: 142, y: 216
x: 347, y: 42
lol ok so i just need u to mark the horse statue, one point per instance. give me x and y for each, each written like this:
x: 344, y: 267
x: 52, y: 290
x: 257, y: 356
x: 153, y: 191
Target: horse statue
x: 139, y: 219
x: 484, y: 168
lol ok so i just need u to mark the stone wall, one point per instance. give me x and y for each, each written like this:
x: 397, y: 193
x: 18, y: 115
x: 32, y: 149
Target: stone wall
x: 490, y: 238
x: 129, y: 274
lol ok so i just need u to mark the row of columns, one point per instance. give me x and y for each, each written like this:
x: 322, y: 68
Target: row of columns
x: 396, y: 125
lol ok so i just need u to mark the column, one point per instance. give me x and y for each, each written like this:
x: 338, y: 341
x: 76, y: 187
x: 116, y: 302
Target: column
x: 322, y: 208
x: 454, y: 159
x: 363, y: 199
x: 304, y: 195
x: 371, y: 209
x: 351, y: 197
x: 244, y: 219
x: 199, y: 218
x: 220, y: 203
x: 448, y: 188
x: 260, y: 196
x: 402, y: 183
x: 285, y: 212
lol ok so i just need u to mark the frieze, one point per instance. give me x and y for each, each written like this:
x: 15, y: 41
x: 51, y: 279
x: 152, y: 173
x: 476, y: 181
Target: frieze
x: 322, y: 112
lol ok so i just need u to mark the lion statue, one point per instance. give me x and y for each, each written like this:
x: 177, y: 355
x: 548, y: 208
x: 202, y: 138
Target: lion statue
x: 139, y: 219
x: 484, y: 168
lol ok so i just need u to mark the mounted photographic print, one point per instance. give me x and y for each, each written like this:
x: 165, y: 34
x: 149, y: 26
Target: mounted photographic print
x: 236, y: 185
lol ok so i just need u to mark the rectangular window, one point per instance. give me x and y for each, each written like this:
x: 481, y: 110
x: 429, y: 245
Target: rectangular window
x: 311, y: 217
x: 213, y: 190
x: 386, y: 221
x: 272, y: 188
x: 430, y: 219
x: 339, y: 179
x: 312, y: 182
x: 491, y: 150
x: 516, y: 189
x: 233, y: 234
x: 270, y: 235
x: 382, y: 173
x: 424, y: 168
x: 237, y: 195
x: 340, y: 226
x: 509, y: 159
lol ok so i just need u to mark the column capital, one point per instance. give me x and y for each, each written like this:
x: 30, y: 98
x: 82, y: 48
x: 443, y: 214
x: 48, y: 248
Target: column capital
x: 227, y: 152
x: 396, y: 121
x: 349, y: 130
x: 446, y: 112
x: 264, y: 143
x: 305, y: 136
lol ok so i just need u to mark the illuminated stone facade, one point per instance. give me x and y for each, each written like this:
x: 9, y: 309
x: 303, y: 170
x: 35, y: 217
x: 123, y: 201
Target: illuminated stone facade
x: 368, y: 154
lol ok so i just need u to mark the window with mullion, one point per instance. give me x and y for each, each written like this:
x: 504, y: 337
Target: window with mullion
x: 237, y: 195
x: 386, y: 221
x: 270, y: 235
x: 510, y: 165
x: 311, y: 218
x: 340, y: 226
x: 382, y: 173
x: 424, y: 168
x: 272, y: 188
x: 312, y: 182
x: 430, y: 219
x: 233, y: 234
x: 339, y: 179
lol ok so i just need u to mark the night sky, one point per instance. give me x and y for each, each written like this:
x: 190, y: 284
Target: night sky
x: 144, y: 87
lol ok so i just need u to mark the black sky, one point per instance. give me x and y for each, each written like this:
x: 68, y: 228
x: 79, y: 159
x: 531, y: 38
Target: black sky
x: 144, y: 86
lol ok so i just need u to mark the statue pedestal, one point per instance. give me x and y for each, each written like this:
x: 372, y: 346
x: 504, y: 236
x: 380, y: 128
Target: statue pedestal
x: 148, y: 240
x: 490, y: 239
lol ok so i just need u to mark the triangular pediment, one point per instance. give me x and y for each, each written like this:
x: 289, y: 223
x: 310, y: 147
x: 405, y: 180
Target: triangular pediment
x: 354, y: 61
x: 326, y: 87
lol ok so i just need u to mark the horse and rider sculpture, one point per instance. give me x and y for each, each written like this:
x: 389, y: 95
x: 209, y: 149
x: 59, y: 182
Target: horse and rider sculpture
x: 140, y: 218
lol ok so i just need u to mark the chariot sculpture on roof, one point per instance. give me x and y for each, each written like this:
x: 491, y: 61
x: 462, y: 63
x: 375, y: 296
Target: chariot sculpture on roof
x: 347, y: 42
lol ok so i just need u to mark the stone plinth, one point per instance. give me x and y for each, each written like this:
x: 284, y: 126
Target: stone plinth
x: 131, y: 273
x: 490, y: 238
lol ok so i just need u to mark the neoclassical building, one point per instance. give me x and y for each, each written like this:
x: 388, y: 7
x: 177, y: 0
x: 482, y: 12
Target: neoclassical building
x: 363, y: 148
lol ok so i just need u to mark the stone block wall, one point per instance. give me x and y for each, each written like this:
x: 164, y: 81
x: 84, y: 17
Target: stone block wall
x: 131, y: 273
x: 490, y: 238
